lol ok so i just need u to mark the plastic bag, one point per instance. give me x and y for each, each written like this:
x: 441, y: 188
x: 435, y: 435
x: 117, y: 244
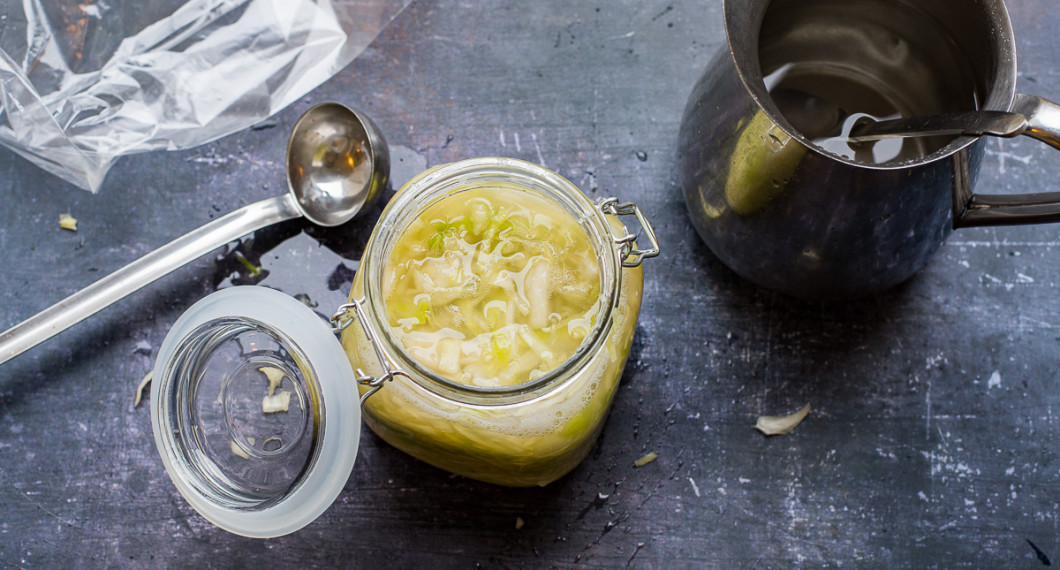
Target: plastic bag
x: 83, y: 82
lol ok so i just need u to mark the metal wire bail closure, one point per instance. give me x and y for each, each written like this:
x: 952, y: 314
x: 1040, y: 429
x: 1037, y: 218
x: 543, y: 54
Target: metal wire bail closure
x: 342, y: 319
x: 631, y: 255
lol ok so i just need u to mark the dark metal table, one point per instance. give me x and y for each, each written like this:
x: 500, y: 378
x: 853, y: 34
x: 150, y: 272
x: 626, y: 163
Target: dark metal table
x: 933, y: 439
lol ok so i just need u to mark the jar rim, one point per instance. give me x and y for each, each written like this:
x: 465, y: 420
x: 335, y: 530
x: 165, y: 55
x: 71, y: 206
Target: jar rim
x: 442, y: 181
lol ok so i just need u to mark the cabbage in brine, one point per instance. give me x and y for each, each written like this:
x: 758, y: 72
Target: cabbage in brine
x: 492, y: 287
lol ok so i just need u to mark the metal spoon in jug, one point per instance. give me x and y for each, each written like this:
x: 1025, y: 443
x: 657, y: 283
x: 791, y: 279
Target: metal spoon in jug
x: 337, y: 164
x: 971, y: 123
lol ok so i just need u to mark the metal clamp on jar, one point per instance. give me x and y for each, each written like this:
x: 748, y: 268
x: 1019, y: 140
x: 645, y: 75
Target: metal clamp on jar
x: 253, y: 402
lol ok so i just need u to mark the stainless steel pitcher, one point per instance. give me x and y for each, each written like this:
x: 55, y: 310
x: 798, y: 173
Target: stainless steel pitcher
x: 788, y: 215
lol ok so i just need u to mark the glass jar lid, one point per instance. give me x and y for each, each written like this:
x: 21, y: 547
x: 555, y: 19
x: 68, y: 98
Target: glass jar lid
x: 255, y: 411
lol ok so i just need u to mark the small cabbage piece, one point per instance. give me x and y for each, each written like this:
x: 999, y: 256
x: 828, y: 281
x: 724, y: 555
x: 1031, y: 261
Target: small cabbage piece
x: 275, y: 376
x: 238, y: 450
x: 68, y: 222
x: 780, y: 425
x: 646, y: 459
x: 279, y: 402
x: 274, y: 401
x: 140, y: 388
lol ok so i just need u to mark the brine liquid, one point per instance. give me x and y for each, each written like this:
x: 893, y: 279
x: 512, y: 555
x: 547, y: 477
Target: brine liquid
x: 830, y: 63
x: 492, y: 287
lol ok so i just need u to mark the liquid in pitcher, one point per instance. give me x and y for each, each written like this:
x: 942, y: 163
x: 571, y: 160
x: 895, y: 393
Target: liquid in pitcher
x: 829, y: 64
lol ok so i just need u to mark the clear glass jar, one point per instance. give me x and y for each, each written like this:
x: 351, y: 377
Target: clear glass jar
x: 255, y: 408
x: 522, y: 435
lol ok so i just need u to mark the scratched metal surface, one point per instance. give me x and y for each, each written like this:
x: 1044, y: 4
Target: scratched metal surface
x: 933, y: 439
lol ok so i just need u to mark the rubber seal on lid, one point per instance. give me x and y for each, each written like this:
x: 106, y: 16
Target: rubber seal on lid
x: 255, y: 412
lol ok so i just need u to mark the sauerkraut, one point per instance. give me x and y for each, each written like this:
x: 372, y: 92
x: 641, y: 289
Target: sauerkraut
x: 492, y: 288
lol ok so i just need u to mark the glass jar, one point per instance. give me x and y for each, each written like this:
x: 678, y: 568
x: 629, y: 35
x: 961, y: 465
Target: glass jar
x: 255, y: 407
x: 526, y: 434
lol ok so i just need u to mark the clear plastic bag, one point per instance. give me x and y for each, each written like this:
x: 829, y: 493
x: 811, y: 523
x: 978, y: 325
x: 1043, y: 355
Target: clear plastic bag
x: 83, y: 82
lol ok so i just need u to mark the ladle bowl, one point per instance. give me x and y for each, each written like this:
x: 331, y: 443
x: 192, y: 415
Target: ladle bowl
x: 337, y: 165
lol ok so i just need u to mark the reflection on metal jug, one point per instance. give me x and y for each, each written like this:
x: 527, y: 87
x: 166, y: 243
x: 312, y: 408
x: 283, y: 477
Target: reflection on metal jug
x: 779, y: 194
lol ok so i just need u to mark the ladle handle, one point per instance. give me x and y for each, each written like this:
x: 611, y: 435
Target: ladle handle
x: 143, y: 271
x: 971, y: 210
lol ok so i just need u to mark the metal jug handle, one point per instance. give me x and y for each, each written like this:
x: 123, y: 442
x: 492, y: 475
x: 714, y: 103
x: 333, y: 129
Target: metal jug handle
x: 972, y: 210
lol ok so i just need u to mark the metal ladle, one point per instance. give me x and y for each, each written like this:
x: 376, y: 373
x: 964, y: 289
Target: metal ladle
x: 337, y: 164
